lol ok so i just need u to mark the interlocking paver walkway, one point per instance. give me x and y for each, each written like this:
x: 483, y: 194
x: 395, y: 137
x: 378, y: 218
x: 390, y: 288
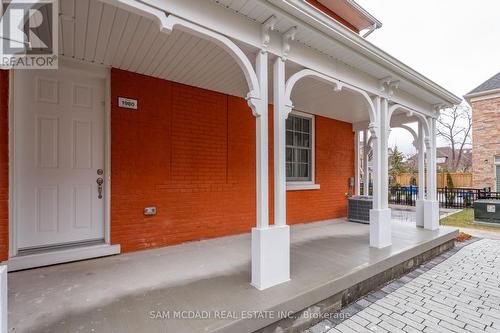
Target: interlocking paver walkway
x: 458, y: 291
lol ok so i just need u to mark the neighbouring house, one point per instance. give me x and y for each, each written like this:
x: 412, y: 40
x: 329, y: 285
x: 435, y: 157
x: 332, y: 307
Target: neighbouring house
x: 444, y: 160
x: 173, y: 121
x: 485, y: 103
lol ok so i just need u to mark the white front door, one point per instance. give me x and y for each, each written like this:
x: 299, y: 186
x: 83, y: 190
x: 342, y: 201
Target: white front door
x: 58, y: 157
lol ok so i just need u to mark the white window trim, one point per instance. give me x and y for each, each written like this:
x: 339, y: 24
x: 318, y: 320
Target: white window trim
x: 306, y: 184
x: 496, y: 163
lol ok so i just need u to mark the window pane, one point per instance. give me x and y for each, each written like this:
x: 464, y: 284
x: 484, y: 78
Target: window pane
x: 296, y: 170
x: 306, y: 125
x: 297, y: 139
x: 302, y: 170
x: 497, y: 159
x: 289, y: 170
x: 304, y: 155
x: 289, y: 138
x: 498, y: 178
x: 297, y: 123
x: 306, y: 140
x: 289, y: 122
x: 289, y: 154
x: 296, y: 156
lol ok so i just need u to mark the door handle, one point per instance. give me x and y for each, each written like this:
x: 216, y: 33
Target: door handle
x: 99, y: 182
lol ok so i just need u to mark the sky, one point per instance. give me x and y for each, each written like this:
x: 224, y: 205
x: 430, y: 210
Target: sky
x: 455, y: 43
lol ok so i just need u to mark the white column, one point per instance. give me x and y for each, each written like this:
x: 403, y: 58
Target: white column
x: 262, y: 145
x: 386, y: 129
x: 431, y: 206
x: 279, y: 114
x: 357, y: 176
x: 380, y: 215
x: 271, y: 244
x: 421, y: 176
x: 366, y: 172
x: 3, y: 299
x: 433, y: 193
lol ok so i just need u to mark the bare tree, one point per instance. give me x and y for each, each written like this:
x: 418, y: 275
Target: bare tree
x: 454, y: 126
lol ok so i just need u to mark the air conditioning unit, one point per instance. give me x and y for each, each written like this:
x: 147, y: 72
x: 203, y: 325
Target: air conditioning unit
x: 359, y: 208
x: 487, y: 210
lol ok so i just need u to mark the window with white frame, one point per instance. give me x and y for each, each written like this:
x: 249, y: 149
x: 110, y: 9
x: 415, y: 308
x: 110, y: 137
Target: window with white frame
x: 300, y: 148
x: 497, y: 168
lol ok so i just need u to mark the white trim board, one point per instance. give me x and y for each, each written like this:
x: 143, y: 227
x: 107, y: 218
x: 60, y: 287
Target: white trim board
x: 61, y: 256
x: 303, y: 187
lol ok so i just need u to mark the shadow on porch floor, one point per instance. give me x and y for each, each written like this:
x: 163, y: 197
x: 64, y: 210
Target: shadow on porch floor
x: 122, y: 293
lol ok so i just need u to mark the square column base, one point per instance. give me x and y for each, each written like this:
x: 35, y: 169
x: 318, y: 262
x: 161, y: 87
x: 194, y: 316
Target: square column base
x: 419, y: 205
x: 270, y: 256
x: 431, y: 215
x: 380, y: 228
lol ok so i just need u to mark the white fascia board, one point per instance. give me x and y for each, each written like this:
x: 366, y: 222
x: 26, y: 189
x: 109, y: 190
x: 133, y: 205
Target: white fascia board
x: 319, y: 20
x: 240, y: 28
x: 482, y: 95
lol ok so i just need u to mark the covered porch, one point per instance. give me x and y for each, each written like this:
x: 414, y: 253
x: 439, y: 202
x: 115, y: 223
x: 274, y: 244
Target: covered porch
x: 134, y: 291
x: 253, y: 61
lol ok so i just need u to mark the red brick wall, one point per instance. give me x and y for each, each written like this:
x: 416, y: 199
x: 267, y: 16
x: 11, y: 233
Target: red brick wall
x: 191, y: 153
x: 4, y: 165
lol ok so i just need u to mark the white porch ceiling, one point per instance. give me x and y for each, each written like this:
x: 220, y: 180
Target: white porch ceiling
x: 98, y: 33
x: 259, y: 11
x: 310, y: 94
x: 102, y: 34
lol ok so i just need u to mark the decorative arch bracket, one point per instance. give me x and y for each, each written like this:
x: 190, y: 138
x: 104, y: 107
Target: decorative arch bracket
x: 225, y: 43
x: 373, y: 128
x: 337, y: 87
x: 255, y: 104
x: 409, y: 112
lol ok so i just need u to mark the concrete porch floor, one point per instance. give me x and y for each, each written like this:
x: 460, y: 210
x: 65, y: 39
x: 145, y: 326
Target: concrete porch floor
x: 118, y: 294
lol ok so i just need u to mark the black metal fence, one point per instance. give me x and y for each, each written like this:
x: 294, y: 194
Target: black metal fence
x: 448, y: 198
x: 403, y: 195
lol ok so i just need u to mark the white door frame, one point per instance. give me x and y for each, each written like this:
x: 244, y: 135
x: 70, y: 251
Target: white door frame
x: 90, y: 69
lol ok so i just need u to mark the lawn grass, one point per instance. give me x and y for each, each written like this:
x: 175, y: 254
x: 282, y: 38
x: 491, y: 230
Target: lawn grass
x: 465, y: 219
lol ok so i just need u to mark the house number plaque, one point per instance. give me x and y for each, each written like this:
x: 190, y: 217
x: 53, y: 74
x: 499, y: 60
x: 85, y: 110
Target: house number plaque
x: 127, y: 103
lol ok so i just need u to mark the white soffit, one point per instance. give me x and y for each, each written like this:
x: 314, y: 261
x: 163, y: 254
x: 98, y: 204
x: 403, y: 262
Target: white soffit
x: 98, y: 33
x: 258, y: 11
